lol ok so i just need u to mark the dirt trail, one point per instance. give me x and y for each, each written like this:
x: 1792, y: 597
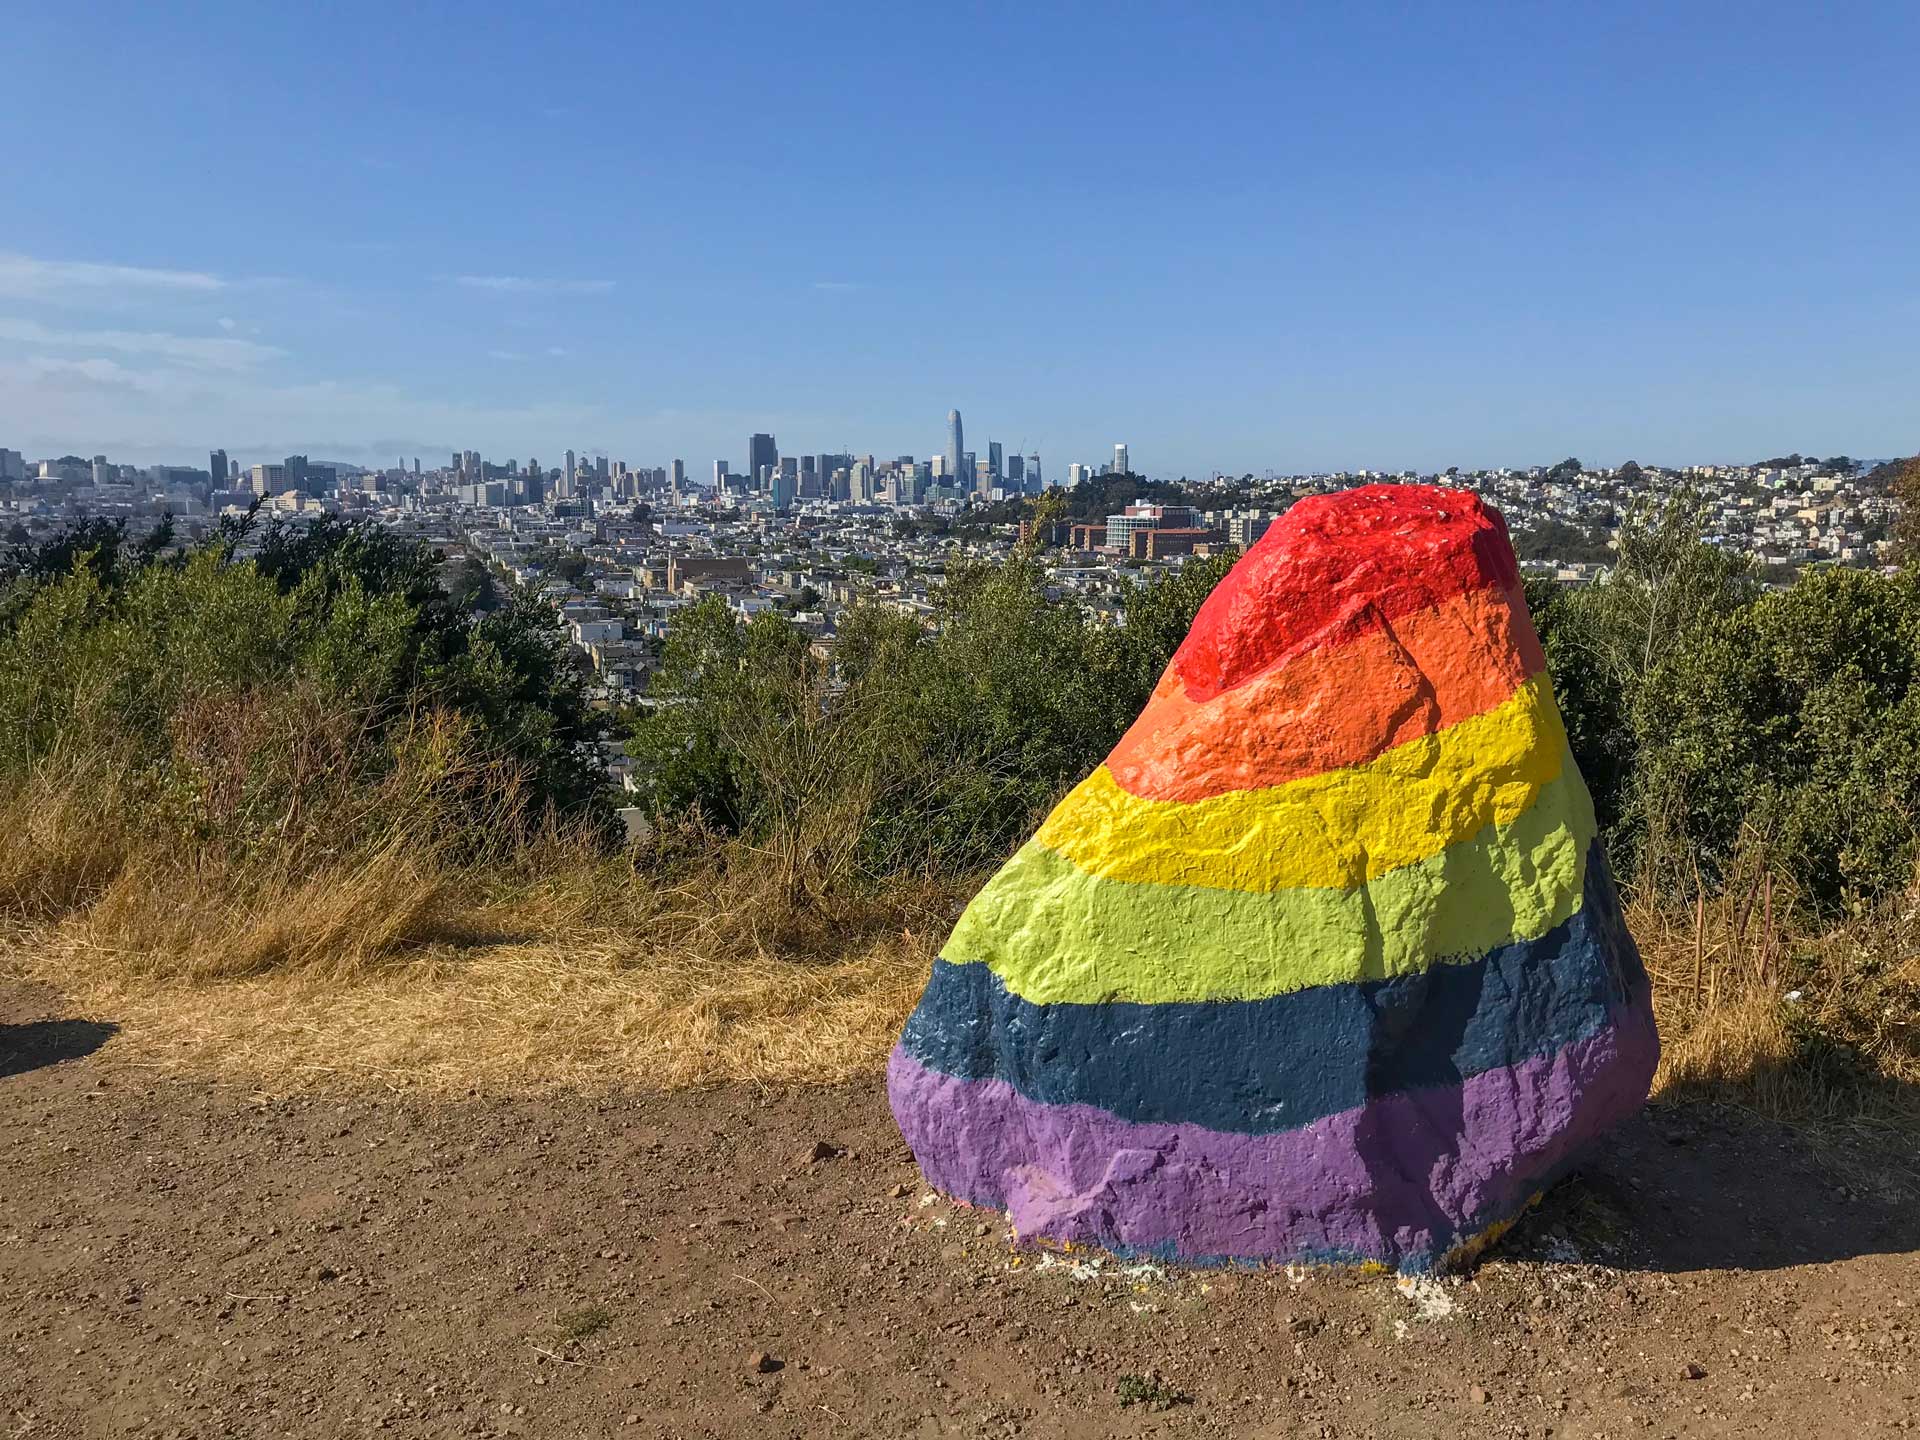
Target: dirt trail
x: 179, y: 1259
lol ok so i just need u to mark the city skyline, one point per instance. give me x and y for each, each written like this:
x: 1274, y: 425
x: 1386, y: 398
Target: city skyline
x: 1304, y: 242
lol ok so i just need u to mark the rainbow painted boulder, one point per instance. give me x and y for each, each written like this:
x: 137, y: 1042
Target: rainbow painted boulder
x: 1324, y: 963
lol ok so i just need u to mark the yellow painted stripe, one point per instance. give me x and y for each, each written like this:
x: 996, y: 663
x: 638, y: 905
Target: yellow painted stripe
x: 1057, y: 935
x: 1337, y: 829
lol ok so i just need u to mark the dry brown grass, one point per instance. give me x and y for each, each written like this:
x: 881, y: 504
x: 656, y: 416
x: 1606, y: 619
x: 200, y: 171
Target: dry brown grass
x: 551, y: 964
x: 61, y: 843
x: 559, y: 1012
x: 591, y: 974
x: 1804, y: 1023
x: 557, y: 967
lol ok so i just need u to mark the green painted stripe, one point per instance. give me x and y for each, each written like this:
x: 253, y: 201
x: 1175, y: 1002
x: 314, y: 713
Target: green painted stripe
x: 1056, y: 935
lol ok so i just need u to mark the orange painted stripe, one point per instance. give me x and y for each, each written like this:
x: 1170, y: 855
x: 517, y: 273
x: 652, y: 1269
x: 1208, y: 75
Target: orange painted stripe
x: 1331, y: 708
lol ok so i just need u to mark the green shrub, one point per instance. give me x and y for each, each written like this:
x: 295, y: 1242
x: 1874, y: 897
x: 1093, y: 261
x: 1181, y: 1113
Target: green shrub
x: 1716, y: 722
x: 267, y: 701
x: 905, y: 748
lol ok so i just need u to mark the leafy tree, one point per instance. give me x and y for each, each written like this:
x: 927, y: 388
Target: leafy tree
x: 1715, y: 722
x: 1666, y: 581
x: 1557, y: 540
x: 470, y: 584
x: 1602, y: 642
x: 340, y: 625
x: 99, y: 542
x: 909, y: 747
x: 568, y: 565
x: 1903, y: 484
x: 1791, y: 725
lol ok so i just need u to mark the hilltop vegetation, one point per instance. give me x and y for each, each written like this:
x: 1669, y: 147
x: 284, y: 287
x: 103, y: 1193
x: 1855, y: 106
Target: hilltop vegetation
x: 908, y: 750
x: 291, y: 795
x: 1754, y: 756
x: 1720, y: 725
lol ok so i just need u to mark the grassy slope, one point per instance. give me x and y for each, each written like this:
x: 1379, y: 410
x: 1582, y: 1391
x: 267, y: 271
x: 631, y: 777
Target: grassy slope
x: 560, y: 968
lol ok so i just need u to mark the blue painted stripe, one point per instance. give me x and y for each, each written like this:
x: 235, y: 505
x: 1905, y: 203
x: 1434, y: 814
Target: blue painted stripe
x: 1260, y: 1066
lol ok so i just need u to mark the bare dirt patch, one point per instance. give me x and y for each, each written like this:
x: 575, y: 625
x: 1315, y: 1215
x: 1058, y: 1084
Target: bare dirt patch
x: 184, y: 1258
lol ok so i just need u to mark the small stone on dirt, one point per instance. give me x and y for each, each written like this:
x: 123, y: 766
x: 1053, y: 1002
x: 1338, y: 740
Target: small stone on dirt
x: 822, y: 1150
x: 900, y: 1191
x: 761, y: 1363
x: 1690, y: 1371
x: 1478, y: 1395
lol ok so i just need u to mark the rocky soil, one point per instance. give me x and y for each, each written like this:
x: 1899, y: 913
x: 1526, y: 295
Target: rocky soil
x: 180, y: 1259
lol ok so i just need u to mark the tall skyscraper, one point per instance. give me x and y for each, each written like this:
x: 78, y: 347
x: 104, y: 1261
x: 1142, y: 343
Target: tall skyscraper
x: 1016, y: 469
x: 995, y: 459
x: 1033, y: 472
x: 955, y: 448
x: 762, y: 454
x: 720, y: 477
x: 1120, y: 466
x: 217, y: 468
x: 566, y: 488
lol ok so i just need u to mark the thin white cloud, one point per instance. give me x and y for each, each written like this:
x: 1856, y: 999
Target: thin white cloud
x: 532, y: 285
x: 226, y: 322
x: 202, y: 352
x: 90, y: 406
x: 556, y: 350
x: 23, y: 277
x: 838, y: 285
x: 96, y: 371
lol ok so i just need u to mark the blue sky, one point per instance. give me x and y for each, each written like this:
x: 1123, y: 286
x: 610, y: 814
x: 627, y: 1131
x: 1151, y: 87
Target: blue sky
x: 1235, y: 237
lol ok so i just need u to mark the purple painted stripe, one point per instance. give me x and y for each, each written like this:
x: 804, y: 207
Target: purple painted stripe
x: 1401, y: 1179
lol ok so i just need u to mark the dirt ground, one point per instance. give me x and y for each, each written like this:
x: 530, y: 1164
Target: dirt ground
x: 183, y: 1259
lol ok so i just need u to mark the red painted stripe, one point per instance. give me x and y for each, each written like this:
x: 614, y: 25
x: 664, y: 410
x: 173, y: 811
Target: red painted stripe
x: 1336, y: 567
